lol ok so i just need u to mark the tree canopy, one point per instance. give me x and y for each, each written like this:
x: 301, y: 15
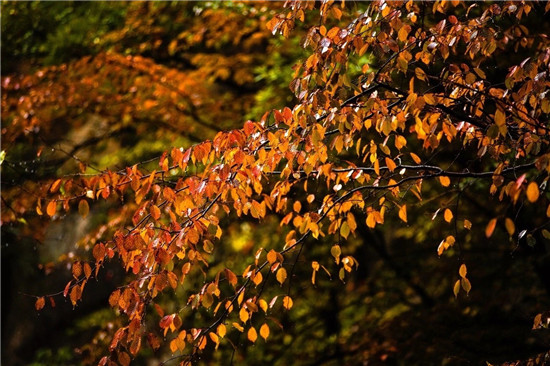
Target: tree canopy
x: 259, y: 182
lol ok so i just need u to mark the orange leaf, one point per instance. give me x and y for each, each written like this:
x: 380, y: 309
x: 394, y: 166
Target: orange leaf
x: 448, y: 215
x: 243, y: 315
x: 444, y: 180
x: 456, y: 288
x: 462, y: 271
x: 271, y: 256
x: 403, y: 213
x: 222, y: 330
x: 55, y: 186
x: 490, y: 227
x: 532, y: 192
x: 52, y: 207
x: 155, y: 212
x: 40, y: 302
x: 264, y: 331
x: 415, y: 158
x: 281, y: 275
x: 252, y: 335
x: 510, y: 226
x: 287, y: 302
x: 466, y: 285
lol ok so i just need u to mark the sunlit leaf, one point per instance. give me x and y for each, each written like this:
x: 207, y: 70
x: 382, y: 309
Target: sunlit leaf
x: 532, y: 192
x: 490, y: 227
x: 264, y: 331
x: 252, y: 335
x: 403, y: 213
x: 281, y: 275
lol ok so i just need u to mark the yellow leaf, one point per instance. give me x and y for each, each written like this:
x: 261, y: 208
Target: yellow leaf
x: 83, y: 208
x: 444, y: 180
x: 336, y: 251
x: 344, y: 230
x: 490, y: 227
x: 467, y: 224
x: 548, y: 211
x: 214, y: 337
x: 263, y: 305
x: 510, y: 226
x: 466, y: 285
x: 258, y: 278
x: 297, y: 206
x: 243, y: 315
x: 52, y: 207
x: 419, y: 73
x: 281, y: 275
x: 252, y: 335
x: 403, y: 213
x: 222, y: 330
x: 264, y: 331
x: 287, y: 302
x: 462, y: 271
x: 448, y: 215
x: 371, y: 220
x: 238, y: 327
x: 532, y: 192
x: 456, y: 288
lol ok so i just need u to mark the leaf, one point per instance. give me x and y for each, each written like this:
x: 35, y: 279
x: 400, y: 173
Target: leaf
x: 467, y: 224
x: 155, y: 212
x: 456, y: 288
x: 77, y: 270
x: 99, y: 252
x: 500, y: 118
x: 510, y: 226
x: 444, y: 180
x: 462, y: 271
x: 231, y: 277
x: 83, y: 208
x: 264, y: 331
x: 336, y: 251
x: 281, y: 275
x: 490, y: 227
x: 51, y: 208
x: 221, y: 330
x: 272, y: 256
x: 40, y: 302
x: 252, y: 334
x: 466, y: 285
x: 344, y: 230
x: 55, y: 186
x: 243, y: 315
x: 448, y: 215
x: 415, y: 158
x: 532, y: 192
x: 403, y: 213
x: 287, y: 302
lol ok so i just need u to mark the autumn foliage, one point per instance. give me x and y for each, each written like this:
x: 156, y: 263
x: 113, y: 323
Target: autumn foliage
x: 426, y: 121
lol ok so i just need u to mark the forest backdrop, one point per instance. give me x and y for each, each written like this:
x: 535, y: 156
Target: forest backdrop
x: 260, y: 182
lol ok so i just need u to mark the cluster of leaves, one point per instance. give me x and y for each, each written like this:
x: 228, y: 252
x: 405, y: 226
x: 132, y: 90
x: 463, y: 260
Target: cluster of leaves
x: 427, y: 119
